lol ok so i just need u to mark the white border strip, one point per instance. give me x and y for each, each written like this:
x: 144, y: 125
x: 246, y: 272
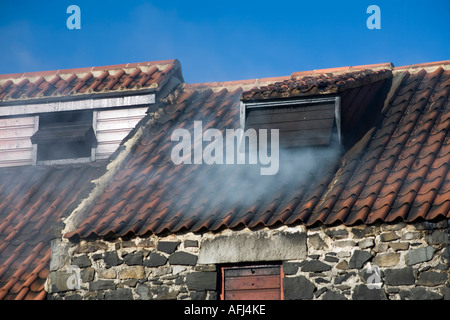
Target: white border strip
x: 87, y: 104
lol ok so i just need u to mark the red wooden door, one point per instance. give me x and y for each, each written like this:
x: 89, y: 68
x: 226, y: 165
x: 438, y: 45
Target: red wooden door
x: 256, y: 282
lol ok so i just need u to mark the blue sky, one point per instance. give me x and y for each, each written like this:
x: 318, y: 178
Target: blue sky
x: 222, y: 40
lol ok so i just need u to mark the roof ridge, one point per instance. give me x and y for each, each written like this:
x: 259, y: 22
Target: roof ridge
x: 85, y: 81
x: 339, y: 70
x: 442, y: 63
x: 44, y: 73
x: 231, y: 83
x: 246, y: 84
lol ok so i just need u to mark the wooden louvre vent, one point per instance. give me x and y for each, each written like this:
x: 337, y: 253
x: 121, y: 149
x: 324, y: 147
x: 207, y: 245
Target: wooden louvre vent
x: 255, y: 282
x: 65, y: 135
x: 301, y: 122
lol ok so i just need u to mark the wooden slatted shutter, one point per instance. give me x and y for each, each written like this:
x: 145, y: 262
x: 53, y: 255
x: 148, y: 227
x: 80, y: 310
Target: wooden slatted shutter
x: 255, y: 282
x: 301, y: 122
x: 65, y: 135
x: 298, y: 126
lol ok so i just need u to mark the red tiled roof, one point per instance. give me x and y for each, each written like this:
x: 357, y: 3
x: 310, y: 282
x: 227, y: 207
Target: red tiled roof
x: 400, y: 171
x: 325, y: 81
x: 33, y: 200
x: 82, y: 81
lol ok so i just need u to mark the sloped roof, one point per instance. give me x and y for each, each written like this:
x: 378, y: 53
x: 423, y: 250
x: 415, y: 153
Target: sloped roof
x: 79, y: 82
x: 398, y: 170
x: 33, y: 201
x: 326, y: 81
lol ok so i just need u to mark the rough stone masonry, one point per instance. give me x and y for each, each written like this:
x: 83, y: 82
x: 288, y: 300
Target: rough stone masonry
x: 321, y: 263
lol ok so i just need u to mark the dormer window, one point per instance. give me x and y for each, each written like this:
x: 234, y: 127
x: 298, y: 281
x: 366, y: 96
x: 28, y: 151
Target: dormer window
x: 65, y: 137
x: 304, y: 122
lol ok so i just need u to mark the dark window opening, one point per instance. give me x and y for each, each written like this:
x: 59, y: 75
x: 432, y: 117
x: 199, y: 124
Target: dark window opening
x: 301, y: 122
x: 65, y: 135
x: 68, y: 118
x: 252, y: 282
x: 64, y: 150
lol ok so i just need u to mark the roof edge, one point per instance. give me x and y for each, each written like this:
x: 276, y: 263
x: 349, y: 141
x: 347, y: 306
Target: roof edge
x: 424, y: 65
x: 78, y: 215
x: 171, y: 68
x: 45, y: 73
x: 338, y: 70
x: 247, y: 84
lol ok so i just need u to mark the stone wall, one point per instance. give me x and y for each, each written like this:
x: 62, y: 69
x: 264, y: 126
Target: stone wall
x: 387, y: 261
